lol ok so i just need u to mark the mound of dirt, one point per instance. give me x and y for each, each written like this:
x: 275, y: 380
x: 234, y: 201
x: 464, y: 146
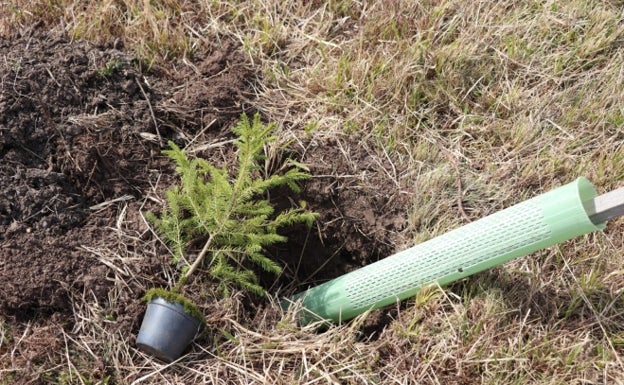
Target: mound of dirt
x: 81, y: 126
x: 361, y: 212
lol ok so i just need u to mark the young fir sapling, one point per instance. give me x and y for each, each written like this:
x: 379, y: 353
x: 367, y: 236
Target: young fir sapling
x: 230, y: 215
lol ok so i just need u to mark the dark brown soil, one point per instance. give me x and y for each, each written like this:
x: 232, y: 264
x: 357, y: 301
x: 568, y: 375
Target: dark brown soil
x: 81, y: 133
x: 361, y: 212
x: 80, y: 126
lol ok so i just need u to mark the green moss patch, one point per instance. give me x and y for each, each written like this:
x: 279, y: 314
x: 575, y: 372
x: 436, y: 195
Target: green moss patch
x: 175, y: 297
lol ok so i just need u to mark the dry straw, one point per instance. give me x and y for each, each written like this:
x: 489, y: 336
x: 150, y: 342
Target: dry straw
x: 480, y: 102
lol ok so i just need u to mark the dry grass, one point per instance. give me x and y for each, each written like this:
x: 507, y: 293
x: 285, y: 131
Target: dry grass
x: 488, y: 102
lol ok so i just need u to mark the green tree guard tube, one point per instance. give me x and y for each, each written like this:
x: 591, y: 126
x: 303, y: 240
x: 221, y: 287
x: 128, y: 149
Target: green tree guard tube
x: 537, y: 223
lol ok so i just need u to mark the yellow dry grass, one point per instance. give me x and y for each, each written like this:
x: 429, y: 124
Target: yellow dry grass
x: 482, y: 102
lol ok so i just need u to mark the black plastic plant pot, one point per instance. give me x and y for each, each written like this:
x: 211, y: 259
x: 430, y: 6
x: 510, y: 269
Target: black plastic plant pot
x: 166, y: 330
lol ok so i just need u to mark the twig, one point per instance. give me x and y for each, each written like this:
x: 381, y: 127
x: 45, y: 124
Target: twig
x: 111, y: 201
x: 453, y: 162
x: 149, y: 105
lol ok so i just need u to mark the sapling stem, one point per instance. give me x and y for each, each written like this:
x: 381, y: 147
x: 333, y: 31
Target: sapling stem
x: 196, y: 263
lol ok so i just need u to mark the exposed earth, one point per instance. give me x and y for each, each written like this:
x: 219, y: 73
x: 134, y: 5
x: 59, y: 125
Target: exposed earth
x: 81, y: 133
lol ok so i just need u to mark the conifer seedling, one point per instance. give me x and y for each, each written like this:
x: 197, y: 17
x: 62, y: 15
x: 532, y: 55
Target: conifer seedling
x: 229, y: 215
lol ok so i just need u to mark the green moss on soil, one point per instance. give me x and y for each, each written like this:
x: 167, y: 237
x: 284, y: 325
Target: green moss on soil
x: 173, y: 296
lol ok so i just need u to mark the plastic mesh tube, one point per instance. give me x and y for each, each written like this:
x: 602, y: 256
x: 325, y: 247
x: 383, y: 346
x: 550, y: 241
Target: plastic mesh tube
x: 532, y: 225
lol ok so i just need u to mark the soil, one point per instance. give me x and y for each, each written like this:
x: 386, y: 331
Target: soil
x: 80, y: 126
x: 81, y: 133
x: 361, y: 212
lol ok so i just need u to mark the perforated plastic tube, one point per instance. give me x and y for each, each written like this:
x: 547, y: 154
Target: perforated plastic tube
x: 529, y: 226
